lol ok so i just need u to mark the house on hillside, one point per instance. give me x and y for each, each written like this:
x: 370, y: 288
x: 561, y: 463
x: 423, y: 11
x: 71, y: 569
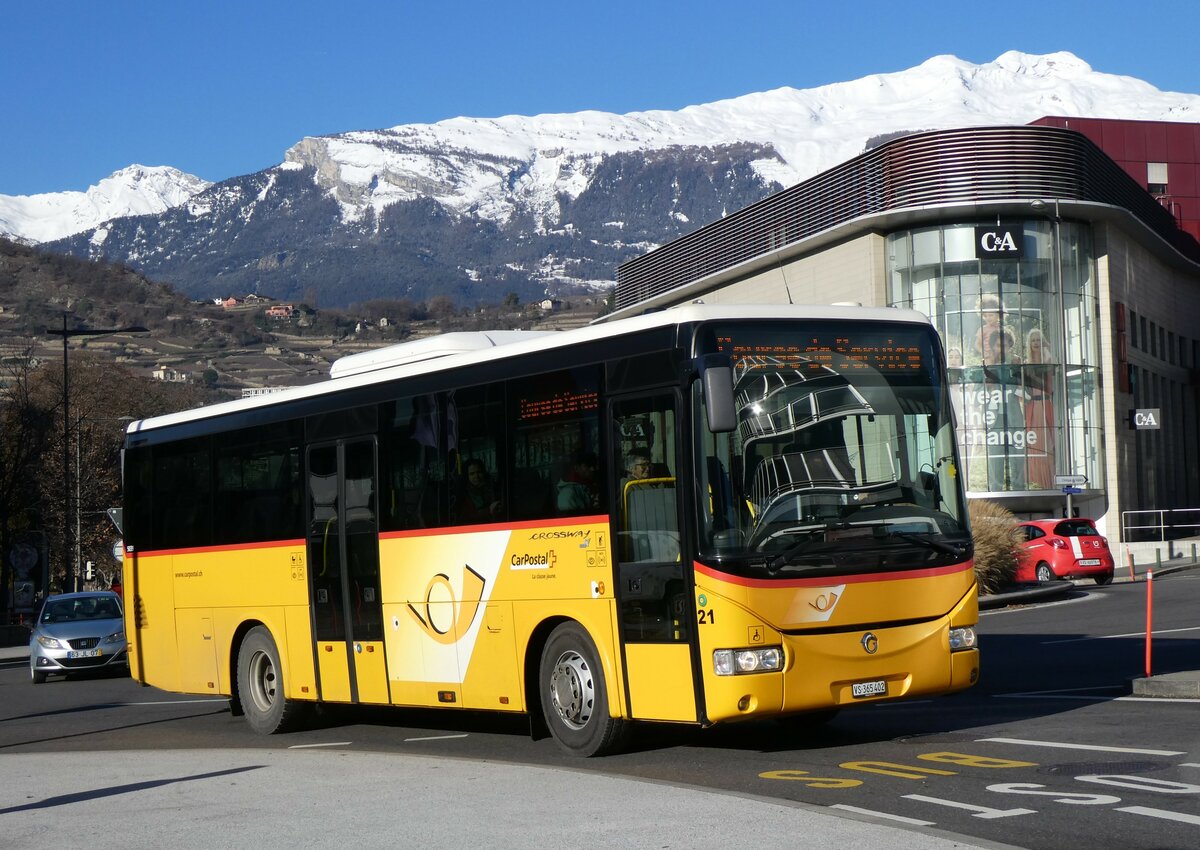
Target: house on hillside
x: 171, y: 376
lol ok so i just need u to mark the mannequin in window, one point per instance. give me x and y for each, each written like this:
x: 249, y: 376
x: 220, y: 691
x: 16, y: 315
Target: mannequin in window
x: 1039, y: 411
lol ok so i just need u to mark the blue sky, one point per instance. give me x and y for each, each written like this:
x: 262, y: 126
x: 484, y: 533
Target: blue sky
x: 221, y: 88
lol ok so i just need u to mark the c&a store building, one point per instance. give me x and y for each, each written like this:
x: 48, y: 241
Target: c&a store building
x: 1059, y: 262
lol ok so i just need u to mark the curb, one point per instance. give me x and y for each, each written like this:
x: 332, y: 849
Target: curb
x: 1024, y: 594
x: 1185, y: 685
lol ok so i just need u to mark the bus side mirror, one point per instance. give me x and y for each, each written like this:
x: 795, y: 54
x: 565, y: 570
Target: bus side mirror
x: 716, y: 377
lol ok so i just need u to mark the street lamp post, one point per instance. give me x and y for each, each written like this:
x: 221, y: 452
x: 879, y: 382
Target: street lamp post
x: 66, y: 333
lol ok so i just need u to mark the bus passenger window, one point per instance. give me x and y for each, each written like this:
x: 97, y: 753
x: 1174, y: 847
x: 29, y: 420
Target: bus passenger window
x: 555, y: 445
x: 577, y: 490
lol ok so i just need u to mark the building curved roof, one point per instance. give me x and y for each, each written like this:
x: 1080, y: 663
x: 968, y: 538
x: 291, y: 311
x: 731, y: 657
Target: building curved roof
x: 1013, y: 170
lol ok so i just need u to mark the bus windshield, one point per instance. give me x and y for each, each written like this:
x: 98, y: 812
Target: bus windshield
x: 844, y: 456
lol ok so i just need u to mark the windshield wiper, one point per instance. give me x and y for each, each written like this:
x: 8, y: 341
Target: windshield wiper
x: 810, y: 540
x: 958, y: 550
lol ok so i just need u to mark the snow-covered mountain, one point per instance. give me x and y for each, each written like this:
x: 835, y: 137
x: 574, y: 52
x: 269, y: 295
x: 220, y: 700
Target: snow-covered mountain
x: 476, y: 208
x: 135, y: 190
x: 496, y: 168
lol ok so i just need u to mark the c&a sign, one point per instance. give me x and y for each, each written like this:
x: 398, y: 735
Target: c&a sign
x: 1001, y: 242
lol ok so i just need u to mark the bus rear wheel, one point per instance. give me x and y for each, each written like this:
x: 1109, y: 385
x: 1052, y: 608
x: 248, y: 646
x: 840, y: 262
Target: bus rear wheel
x: 260, y: 685
x: 574, y: 695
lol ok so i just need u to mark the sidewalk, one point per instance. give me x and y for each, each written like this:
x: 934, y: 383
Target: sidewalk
x: 276, y: 799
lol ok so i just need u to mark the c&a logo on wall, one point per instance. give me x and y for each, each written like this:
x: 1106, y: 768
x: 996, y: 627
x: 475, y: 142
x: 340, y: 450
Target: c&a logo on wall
x: 1003, y: 242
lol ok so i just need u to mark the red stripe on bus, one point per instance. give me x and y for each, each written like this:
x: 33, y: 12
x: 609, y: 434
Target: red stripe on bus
x: 861, y: 578
x: 495, y: 526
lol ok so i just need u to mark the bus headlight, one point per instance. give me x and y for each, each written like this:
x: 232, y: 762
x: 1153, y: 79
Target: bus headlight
x: 963, y: 638
x: 734, y: 662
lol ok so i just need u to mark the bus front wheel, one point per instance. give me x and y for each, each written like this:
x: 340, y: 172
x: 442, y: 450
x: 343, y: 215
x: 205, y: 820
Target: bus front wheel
x: 260, y: 685
x: 574, y: 695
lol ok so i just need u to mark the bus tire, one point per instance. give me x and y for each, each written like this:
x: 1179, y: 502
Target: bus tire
x: 260, y: 685
x: 574, y: 695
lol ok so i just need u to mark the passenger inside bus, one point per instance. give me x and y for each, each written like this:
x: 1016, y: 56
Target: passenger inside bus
x: 577, y: 489
x: 477, y: 499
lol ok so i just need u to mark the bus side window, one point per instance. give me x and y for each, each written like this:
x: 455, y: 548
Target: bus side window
x: 554, y: 438
x: 413, y: 464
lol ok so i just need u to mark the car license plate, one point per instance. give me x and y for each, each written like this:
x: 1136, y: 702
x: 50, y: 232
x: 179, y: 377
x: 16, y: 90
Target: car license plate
x: 1090, y: 562
x: 83, y: 653
x: 868, y: 689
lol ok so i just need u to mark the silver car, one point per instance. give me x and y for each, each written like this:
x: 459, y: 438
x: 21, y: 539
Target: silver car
x: 76, y: 632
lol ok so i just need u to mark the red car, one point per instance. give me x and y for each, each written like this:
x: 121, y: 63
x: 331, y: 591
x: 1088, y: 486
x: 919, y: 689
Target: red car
x: 1063, y: 548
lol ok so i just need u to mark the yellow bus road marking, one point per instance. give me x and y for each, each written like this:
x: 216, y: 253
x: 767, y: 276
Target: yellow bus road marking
x: 435, y: 738
x: 902, y: 771
x: 1160, y: 813
x: 331, y: 743
x: 885, y: 815
x: 1091, y: 747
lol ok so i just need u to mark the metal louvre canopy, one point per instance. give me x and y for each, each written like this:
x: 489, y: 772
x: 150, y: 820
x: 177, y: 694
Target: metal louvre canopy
x: 939, y: 168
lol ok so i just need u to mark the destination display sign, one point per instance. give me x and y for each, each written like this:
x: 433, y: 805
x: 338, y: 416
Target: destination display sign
x: 836, y: 352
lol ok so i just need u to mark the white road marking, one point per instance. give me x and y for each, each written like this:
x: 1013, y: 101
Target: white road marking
x: 1093, y: 748
x: 885, y: 815
x: 1068, y: 693
x: 1129, y: 635
x: 435, y: 738
x: 1156, y: 699
x: 311, y: 746
x: 984, y: 812
x: 1041, y: 606
x: 1160, y: 813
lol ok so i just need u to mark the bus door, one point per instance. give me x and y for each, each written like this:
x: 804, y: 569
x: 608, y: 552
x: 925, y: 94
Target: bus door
x: 652, y: 578
x: 343, y: 557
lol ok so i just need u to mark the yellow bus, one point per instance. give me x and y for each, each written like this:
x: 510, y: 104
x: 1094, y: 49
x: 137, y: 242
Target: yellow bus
x: 697, y: 516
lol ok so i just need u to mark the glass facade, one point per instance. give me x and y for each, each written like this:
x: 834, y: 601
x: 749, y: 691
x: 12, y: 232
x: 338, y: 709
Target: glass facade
x: 1020, y: 332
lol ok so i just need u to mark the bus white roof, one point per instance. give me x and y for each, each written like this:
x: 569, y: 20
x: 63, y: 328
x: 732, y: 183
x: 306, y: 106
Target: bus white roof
x: 429, y: 348
x: 447, y: 351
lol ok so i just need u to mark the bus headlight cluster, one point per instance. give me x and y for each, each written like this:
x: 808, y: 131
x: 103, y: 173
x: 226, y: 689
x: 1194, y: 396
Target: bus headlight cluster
x: 963, y: 638
x: 734, y: 662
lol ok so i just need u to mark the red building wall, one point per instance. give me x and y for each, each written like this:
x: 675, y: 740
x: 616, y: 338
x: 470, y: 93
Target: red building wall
x: 1134, y: 144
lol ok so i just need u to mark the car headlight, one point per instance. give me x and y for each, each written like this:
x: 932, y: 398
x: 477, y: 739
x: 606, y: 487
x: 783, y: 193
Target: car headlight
x: 734, y: 662
x: 963, y: 638
x: 116, y: 637
x: 50, y: 643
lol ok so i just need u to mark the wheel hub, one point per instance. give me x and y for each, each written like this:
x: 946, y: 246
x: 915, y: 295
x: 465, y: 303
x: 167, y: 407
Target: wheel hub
x: 573, y: 690
x: 262, y: 681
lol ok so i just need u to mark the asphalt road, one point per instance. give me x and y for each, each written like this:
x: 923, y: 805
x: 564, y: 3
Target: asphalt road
x: 1051, y: 750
